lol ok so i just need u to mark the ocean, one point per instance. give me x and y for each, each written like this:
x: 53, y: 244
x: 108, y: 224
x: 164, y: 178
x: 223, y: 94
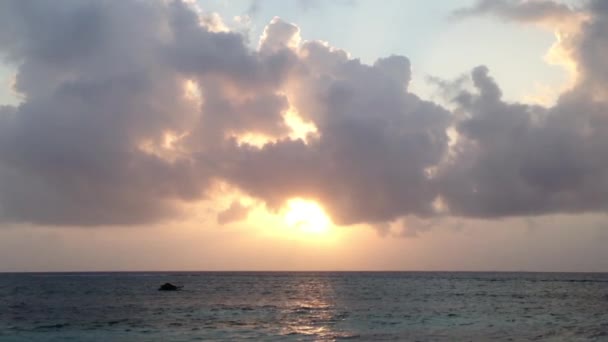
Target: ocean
x: 285, y: 306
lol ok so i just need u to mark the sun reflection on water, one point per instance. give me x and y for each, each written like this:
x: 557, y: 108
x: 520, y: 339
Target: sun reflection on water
x: 311, y: 310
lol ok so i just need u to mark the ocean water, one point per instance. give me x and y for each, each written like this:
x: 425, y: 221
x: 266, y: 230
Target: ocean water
x: 406, y: 306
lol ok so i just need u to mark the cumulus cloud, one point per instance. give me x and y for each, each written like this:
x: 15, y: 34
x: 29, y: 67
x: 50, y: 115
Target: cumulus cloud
x: 126, y: 118
x: 516, y: 159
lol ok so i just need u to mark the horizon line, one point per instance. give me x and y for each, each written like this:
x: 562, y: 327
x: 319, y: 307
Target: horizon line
x: 297, y: 271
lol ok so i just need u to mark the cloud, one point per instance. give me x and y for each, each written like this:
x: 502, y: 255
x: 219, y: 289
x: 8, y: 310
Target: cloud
x: 515, y: 159
x: 236, y: 212
x: 254, y: 7
x: 304, y: 5
x: 97, y: 83
x: 376, y: 142
x: 519, y: 10
x: 310, y: 4
x: 128, y: 118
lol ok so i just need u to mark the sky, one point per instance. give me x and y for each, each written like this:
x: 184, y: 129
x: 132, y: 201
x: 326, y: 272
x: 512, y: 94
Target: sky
x: 303, y: 135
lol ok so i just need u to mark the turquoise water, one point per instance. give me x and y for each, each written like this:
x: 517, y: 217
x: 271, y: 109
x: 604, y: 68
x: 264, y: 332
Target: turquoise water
x: 304, y: 307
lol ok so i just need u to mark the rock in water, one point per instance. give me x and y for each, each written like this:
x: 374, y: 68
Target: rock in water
x: 169, y: 287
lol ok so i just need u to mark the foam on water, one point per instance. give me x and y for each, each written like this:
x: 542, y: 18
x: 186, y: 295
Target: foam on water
x: 304, y: 306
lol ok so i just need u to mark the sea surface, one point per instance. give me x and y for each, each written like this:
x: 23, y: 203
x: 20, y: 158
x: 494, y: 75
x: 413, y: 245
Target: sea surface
x: 407, y: 306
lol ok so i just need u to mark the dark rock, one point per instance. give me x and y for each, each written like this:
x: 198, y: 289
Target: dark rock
x: 169, y: 287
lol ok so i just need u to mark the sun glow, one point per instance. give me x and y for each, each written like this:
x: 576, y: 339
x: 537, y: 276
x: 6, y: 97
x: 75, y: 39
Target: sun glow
x: 307, y: 216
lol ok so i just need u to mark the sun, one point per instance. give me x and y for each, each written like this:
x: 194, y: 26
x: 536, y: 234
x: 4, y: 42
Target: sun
x: 308, y: 216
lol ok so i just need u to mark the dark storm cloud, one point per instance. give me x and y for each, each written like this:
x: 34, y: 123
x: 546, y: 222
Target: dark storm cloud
x: 108, y: 134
